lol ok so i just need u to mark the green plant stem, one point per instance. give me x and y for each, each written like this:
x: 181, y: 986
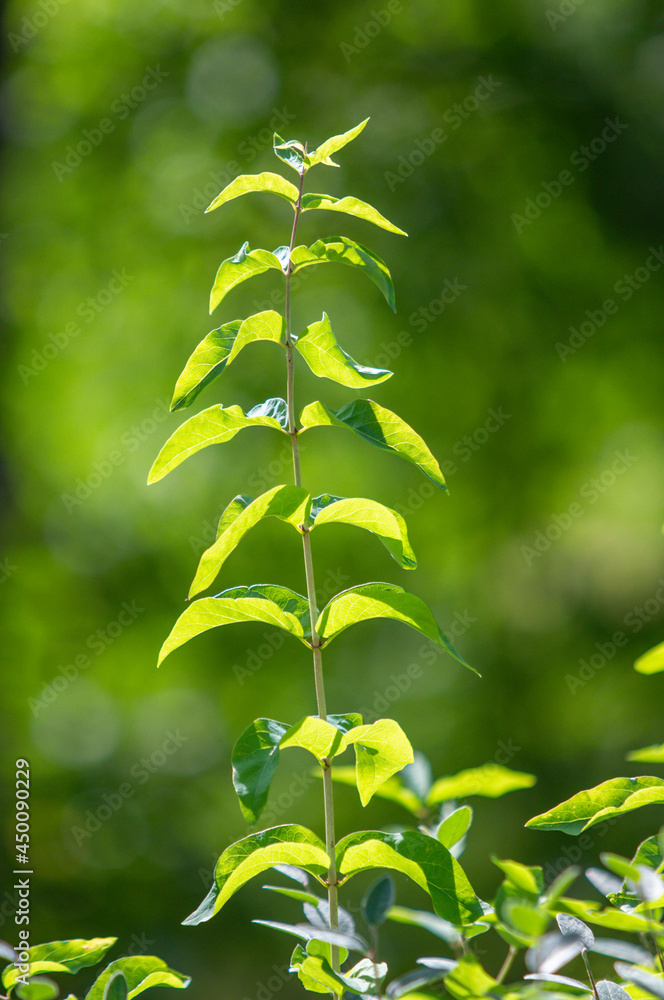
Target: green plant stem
x: 591, y: 978
x: 505, y: 967
x: 328, y: 792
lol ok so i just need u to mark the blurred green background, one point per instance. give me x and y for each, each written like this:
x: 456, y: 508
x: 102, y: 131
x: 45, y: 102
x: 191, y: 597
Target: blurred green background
x: 521, y: 146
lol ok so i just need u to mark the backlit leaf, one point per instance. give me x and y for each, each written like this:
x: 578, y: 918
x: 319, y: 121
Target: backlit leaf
x: 248, y: 183
x: 60, y: 956
x: 141, y: 972
x: 267, y: 325
x: 648, y: 755
x: 490, y: 780
x: 455, y: 827
x: 612, y: 798
x: 234, y: 270
x: 388, y: 526
x: 381, y: 749
x: 319, y: 348
x: 651, y: 662
x: 351, y: 206
x: 341, y: 250
x: 334, y: 144
x: 208, y: 360
x: 292, y: 845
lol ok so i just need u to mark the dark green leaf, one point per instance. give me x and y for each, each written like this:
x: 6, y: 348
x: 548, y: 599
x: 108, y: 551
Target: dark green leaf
x: 254, y: 760
x: 293, y: 845
x: 291, y: 152
x: 378, y: 901
x: 248, y: 183
x: 116, y: 987
x: 319, y: 348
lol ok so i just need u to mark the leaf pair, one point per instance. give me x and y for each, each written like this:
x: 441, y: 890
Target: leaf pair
x: 422, y: 859
x: 381, y: 749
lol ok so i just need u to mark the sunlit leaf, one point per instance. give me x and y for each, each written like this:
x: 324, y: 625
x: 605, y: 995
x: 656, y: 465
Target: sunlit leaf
x: 490, y: 780
x: 381, y: 749
x: 455, y: 827
x: 292, y: 845
x: 215, y: 426
x: 116, y: 987
x: 60, y: 956
x: 291, y: 152
x: 648, y: 755
x: 651, y: 662
x: 287, y: 503
x: 319, y: 348
x: 254, y: 761
x: 234, y: 270
x: 468, y: 980
x: 248, y: 183
x: 334, y: 144
x: 527, y: 879
x: 606, y: 990
x: 612, y: 798
x: 140, y: 972
x: 388, y: 526
x: 257, y: 603
x: 351, y: 206
x: 341, y: 250
x: 422, y: 859
x: 318, y: 736
x: 267, y: 325
x: 208, y: 360
x: 393, y: 789
x: 38, y: 988
x: 572, y: 926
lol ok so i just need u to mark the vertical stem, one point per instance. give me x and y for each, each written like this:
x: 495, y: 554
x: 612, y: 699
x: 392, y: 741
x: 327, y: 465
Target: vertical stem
x: 328, y: 797
x: 505, y: 967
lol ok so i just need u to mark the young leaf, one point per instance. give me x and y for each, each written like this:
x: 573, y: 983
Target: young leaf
x: 648, y: 755
x: 248, y: 183
x: 234, y: 270
x: 140, y: 972
x: 319, y: 348
x: 423, y: 860
x: 351, y: 206
x: 116, y: 987
x: 525, y: 918
x: 254, y: 760
x: 388, y: 526
x: 651, y: 662
x: 334, y: 144
x: 381, y: 749
x: 288, y: 503
x: 455, y: 827
x: 379, y: 427
x: 291, y: 152
x: 341, y: 250
x: 293, y: 845
x: 491, y: 780
x: 378, y: 901
x: 215, y: 425
x: 208, y: 360
x: 612, y: 798
x: 261, y: 602
x: 381, y: 600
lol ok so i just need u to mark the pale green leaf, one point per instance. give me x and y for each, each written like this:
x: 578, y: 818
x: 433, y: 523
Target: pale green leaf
x: 38, y: 988
x: 381, y: 600
x: 612, y: 798
x: 254, y: 761
x: 381, y: 749
x: 455, y: 826
x: 334, y: 144
x: 319, y: 737
x: 388, y: 526
x: 258, y: 603
x: 234, y: 270
x: 288, y: 503
x: 60, y: 956
x: 291, y: 845
x: 649, y: 755
x: 468, y: 980
x: 248, y: 183
x: 267, y: 325
x: 379, y: 427
x: 319, y: 348
x: 140, y: 972
x: 351, y: 206
x: 608, y: 918
x: 214, y: 426
x: 341, y: 250
x: 490, y: 780
x: 651, y: 662
x: 208, y: 360
x: 527, y: 879
x: 422, y: 859
x: 393, y: 789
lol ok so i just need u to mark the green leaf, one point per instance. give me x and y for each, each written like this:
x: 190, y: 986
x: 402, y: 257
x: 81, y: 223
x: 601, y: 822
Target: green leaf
x: 528, y: 920
x: 334, y: 144
x: 267, y: 325
x: 442, y: 929
x: 248, y: 183
x: 393, y: 789
x: 299, y: 894
x: 609, y: 918
x: 379, y: 427
x: 611, y: 798
x: 651, y: 662
x: 319, y: 348
x: 341, y: 250
x: 288, y: 503
x: 381, y: 749
x: 291, y: 845
x: 388, y: 526
x: 381, y: 600
x: 38, y: 988
x: 208, y: 360
x: 378, y: 901
x: 116, y: 987
x: 234, y: 270
x: 60, y: 956
x: 291, y: 152
x: 469, y: 980
x: 423, y: 860
x: 320, y: 737
x: 649, y: 755
x: 215, y: 425
x: 351, y: 206
x: 490, y: 780
x: 254, y: 761
x: 455, y: 826
x: 140, y: 972
x: 527, y: 879
x: 261, y: 602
